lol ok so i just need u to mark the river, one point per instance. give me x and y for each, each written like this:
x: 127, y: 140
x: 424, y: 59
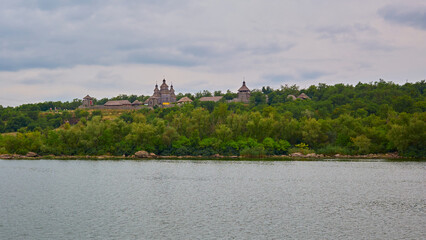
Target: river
x: 49, y: 199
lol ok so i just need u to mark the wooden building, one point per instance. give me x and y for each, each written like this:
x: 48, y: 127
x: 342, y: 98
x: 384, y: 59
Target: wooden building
x: 162, y: 96
x: 244, y: 93
x: 184, y: 100
x: 117, y: 103
x: 211, y: 99
x: 87, y: 101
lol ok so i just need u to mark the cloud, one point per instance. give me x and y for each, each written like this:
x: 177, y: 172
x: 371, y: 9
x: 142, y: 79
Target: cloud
x: 363, y: 36
x: 279, y: 78
x: 296, y: 76
x: 203, y: 51
x: 161, y: 58
x: 64, y: 49
x: 345, y: 32
x: 52, y: 34
x: 374, y: 45
x: 409, y: 15
x: 311, y: 74
x: 269, y: 48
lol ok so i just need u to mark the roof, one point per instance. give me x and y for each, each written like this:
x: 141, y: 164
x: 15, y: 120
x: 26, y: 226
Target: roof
x: 303, y: 96
x: 243, y: 88
x: 184, y: 99
x: 164, y: 85
x: 117, y: 103
x: 211, y: 99
x: 292, y: 97
x: 88, y: 97
x: 136, y: 102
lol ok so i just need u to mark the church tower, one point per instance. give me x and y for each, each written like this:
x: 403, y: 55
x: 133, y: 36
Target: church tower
x: 172, y: 94
x: 244, y: 93
x: 164, y: 92
x: 162, y: 96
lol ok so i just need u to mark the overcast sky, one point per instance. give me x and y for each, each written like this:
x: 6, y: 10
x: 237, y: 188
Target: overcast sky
x: 60, y: 50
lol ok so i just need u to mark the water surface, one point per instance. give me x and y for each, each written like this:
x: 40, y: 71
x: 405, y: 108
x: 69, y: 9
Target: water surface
x: 48, y: 199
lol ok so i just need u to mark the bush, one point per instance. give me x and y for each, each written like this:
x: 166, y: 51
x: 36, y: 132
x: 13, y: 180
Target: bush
x: 332, y: 150
x: 362, y: 143
x: 254, y: 152
x: 283, y: 146
x: 301, y: 148
x: 3, y: 150
x: 97, y: 113
x: 182, y: 151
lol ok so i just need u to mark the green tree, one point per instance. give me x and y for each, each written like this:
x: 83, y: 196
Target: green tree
x: 362, y: 143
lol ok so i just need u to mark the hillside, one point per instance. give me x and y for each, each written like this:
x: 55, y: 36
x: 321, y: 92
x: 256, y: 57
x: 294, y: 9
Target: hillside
x: 379, y: 117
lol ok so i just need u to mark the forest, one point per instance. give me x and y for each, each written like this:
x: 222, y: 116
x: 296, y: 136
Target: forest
x: 375, y: 117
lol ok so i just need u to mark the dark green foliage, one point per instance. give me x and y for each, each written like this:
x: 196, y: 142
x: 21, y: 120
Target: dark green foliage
x: 127, y: 117
x: 204, y: 93
x: 229, y: 95
x: 257, y: 97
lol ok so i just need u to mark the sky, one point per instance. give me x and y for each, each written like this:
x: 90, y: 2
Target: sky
x: 54, y: 50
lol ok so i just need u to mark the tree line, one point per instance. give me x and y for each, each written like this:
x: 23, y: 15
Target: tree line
x: 377, y: 117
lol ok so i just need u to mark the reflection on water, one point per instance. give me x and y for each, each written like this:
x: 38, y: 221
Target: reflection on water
x: 212, y: 200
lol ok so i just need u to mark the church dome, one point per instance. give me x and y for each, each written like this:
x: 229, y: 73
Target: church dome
x: 164, y: 86
x: 244, y: 88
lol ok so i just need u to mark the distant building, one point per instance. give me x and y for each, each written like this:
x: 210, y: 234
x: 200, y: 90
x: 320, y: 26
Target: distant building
x: 302, y: 96
x: 244, y: 93
x: 292, y: 97
x: 184, y: 100
x: 162, y: 96
x: 117, y: 103
x: 136, y: 103
x: 87, y: 101
x: 211, y: 99
x: 243, y: 96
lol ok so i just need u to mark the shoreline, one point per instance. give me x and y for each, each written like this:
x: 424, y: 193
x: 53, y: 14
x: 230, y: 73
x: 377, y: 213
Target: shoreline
x: 337, y: 157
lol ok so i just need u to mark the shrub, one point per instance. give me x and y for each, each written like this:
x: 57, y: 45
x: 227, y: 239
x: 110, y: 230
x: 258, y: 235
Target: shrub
x: 301, y: 148
x: 332, y: 150
x: 254, y: 152
x: 362, y: 143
